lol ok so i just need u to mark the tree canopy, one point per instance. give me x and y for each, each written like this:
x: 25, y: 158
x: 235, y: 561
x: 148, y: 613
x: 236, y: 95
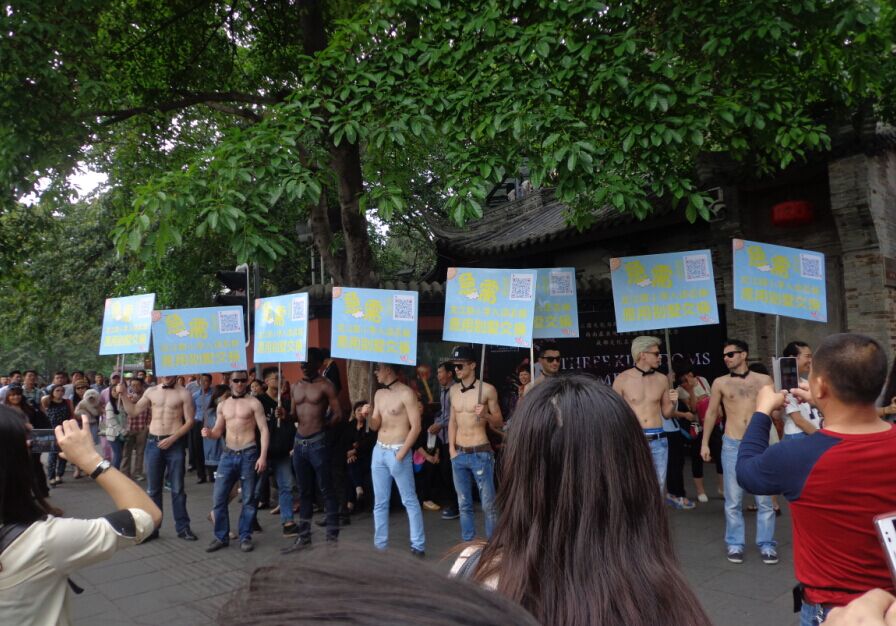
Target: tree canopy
x: 222, y: 124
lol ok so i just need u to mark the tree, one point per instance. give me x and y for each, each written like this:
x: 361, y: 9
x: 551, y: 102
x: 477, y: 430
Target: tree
x: 251, y: 113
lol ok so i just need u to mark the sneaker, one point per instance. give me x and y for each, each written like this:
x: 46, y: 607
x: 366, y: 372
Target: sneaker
x: 703, y: 498
x: 246, y: 545
x: 215, y: 545
x: 300, y: 544
x: 418, y: 553
x: 187, y: 535
x: 290, y: 529
x: 450, y: 513
x: 769, y: 556
x: 736, y: 555
x: 679, y: 503
x: 429, y: 505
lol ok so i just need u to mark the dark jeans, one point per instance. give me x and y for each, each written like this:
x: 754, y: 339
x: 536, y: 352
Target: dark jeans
x: 235, y: 466
x: 197, y: 454
x: 311, y: 462
x: 679, y: 449
x: 157, y: 463
x: 423, y: 481
x: 56, y: 464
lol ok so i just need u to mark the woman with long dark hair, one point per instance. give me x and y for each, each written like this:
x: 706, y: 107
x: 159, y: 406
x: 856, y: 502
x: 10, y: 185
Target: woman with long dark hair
x: 582, y: 537
x: 114, y: 426
x: 15, y: 400
x: 40, y: 549
x: 57, y: 409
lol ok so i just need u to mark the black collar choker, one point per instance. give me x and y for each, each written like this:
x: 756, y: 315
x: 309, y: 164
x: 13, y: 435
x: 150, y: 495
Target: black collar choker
x: 389, y: 386
x: 465, y: 389
x: 171, y: 386
x: 239, y: 397
x: 309, y: 380
x: 736, y: 375
x: 645, y: 373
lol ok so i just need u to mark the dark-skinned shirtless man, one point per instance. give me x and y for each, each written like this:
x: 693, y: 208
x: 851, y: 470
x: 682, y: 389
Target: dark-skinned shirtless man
x: 243, y: 459
x: 311, y: 397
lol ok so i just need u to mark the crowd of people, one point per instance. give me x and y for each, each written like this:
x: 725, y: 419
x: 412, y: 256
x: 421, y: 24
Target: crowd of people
x: 574, y: 482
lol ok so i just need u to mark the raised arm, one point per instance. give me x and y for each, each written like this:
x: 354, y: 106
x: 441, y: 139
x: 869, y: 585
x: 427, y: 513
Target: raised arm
x: 335, y: 406
x: 262, y: 424
x: 132, y: 408
x: 409, y: 399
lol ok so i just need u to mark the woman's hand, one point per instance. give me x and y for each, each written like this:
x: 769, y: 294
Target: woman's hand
x: 76, y: 443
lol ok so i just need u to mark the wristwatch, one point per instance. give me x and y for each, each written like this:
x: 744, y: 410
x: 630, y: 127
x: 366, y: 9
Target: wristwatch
x: 100, y: 468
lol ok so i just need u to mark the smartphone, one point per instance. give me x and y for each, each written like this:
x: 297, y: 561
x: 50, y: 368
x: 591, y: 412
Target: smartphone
x: 785, y: 373
x: 43, y: 440
x: 886, y: 532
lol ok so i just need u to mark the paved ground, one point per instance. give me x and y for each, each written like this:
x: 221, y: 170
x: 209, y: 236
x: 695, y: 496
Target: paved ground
x: 172, y: 582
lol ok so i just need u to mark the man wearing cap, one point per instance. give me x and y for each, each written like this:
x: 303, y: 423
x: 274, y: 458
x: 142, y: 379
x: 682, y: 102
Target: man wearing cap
x: 474, y: 404
x: 647, y: 393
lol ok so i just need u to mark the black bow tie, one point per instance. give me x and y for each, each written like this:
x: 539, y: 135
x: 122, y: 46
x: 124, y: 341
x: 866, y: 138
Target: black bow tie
x: 736, y: 375
x: 171, y: 386
x: 389, y: 386
x: 464, y: 389
x: 647, y: 373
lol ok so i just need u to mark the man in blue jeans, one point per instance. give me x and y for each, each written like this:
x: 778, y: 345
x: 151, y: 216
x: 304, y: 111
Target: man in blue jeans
x: 737, y: 393
x: 396, y: 418
x: 647, y: 392
x: 172, y: 418
x: 311, y: 397
x: 239, y: 415
x: 474, y: 404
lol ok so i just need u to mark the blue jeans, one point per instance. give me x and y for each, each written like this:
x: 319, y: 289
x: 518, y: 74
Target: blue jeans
x: 384, y: 467
x: 659, y: 450
x: 116, y: 445
x: 478, y: 467
x: 156, y: 463
x: 233, y: 466
x: 734, y: 497
x: 282, y: 470
x: 310, y: 461
x: 813, y: 614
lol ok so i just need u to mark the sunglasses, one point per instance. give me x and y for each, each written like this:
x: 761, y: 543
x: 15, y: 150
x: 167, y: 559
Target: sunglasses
x: 551, y: 359
x: 239, y: 380
x: 730, y: 355
x: 459, y: 366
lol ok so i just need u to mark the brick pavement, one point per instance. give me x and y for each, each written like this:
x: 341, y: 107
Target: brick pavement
x: 170, y: 581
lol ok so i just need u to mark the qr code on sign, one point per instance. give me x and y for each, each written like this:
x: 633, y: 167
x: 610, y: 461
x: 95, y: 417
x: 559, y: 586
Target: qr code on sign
x: 561, y: 283
x: 144, y: 307
x: 403, y: 308
x: 230, y: 322
x: 521, y: 286
x: 811, y: 266
x: 298, y: 310
x: 696, y: 267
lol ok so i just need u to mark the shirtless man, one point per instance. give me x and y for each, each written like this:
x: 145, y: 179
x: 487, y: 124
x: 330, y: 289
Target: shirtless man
x: 647, y: 393
x: 737, y: 394
x: 171, y: 419
x: 549, y: 359
x: 311, y: 397
x: 239, y: 415
x: 396, y: 418
x: 472, y: 459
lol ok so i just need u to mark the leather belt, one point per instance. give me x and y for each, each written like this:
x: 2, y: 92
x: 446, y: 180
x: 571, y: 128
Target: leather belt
x: 485, y: 447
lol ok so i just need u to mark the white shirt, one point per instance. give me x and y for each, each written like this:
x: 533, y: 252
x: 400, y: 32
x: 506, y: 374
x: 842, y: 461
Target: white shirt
x: 806, y: 410
x: 34, y: 587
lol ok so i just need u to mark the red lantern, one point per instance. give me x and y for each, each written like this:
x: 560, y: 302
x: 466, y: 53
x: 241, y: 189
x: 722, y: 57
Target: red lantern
x: 793, y: 213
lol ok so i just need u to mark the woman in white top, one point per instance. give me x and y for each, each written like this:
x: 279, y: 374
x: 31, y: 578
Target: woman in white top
x: 114, y: 426
x: 38, y: 550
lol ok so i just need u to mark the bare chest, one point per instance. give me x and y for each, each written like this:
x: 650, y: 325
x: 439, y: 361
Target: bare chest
x: 308, y: 393
x: 643, y: 390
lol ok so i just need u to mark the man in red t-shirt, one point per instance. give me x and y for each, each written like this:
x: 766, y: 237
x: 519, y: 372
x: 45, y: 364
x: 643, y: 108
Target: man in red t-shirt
x: 837, y: 479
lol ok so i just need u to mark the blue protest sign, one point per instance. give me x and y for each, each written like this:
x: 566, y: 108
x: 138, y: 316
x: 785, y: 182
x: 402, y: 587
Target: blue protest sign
x: 126, y: 324
x: 779, y: 281
x: 190, y: 341
x: 670, y: 290
x: 281, y: 329
x: 556, y: 306
x: 377, y: 325
x: 490, y: 306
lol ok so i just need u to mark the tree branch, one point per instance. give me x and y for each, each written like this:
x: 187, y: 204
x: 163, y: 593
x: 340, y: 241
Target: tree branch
x: 189, y: 99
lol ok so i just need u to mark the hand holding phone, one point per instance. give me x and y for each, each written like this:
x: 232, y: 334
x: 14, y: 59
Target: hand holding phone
x: 786, y: 374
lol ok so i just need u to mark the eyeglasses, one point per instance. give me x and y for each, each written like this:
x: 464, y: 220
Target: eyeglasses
x: 730, y: 355
x: 239, y: 380
x: 551, y: 359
